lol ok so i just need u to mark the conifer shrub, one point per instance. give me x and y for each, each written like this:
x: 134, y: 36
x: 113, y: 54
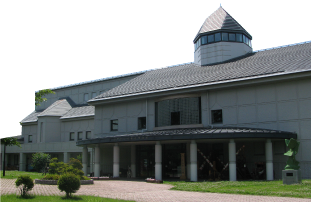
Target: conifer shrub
x: 68, y: 183
x: 51, y: 177
x: 24, y: 183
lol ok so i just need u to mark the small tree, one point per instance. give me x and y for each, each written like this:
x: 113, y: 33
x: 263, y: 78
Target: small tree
x: 68, y: 183
x: 9, y: 141
x: 39, y: 96
x: 24, y: 183
x: 39, y: 161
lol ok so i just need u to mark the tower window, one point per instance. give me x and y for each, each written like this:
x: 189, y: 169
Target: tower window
x: 211, y: 38
x: 80, y: 134
x: 224, y: 36
x: 72, y: 136
x: 204, y: 40
x: 88, y: 134
x: 239, y: 37
x: 217, y: 116
x: 231, y: 37
x: 217, y: 37
x: 30, y: 138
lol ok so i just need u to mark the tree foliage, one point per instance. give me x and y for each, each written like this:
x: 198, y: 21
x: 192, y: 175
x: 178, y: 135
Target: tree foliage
x: 68, y: 183
x: 40, y: 160
x: 59, y: 168
x: 9, y: 141
x: 39, y: 96
x: 24, y: 183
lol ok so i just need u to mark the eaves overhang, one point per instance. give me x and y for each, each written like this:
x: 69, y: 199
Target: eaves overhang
x: 279, y: 76
x: 192, y: 134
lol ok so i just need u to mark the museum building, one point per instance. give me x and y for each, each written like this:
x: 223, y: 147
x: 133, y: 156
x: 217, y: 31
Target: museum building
x: 224, y: 116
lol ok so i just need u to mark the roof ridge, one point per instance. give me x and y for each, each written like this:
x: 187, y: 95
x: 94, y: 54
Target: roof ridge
x: 277, y: 47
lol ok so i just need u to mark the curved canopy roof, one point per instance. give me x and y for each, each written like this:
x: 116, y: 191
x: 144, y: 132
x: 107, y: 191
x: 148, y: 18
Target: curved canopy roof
x: 192, y: 134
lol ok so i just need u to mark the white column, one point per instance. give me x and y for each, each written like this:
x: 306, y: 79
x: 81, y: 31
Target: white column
x: 97, y: 161
x: 133, y: 160
x: 116, y: 160
x: 193, y: 161
x: 269, y: 160
x: 188, y: 161
x: 158, y: 161
x: 66, y: 157
x: 22, y: 162
x: 92, y: 161
x: 84, y: 159
x: 232, y: 161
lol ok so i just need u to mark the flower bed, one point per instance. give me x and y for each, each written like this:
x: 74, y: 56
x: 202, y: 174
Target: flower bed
x: 54, y: 182
x: 104, y: 178
x: 150, y: 180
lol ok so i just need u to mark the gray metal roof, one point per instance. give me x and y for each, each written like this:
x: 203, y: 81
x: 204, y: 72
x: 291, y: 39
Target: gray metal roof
x: 220, y: 19
x: 33, y: 117
x: 79, y: 112
x: 58, y: 108
x: 288, y: 59
x: 192, y: 134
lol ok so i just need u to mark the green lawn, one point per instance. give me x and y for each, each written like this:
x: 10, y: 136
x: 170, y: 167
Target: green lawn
x: 266, y: 188
x: 14, y: 174
x: 13, y: 198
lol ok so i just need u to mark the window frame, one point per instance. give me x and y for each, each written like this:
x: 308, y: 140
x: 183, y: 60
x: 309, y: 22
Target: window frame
x: 86, y: 135
x: 140, y: 125
x: 29, y: 138
x: 112, y: 123
x: 80, y: 133
x: 72, y: 139
x: 213, y: 112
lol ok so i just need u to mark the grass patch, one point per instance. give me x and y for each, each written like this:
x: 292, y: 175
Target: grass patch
x: 265, y: 188
x: 40, y: 198
x: 9, y: 174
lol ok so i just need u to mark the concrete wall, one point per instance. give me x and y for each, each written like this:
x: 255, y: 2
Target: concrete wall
x: 76, y: 93
x: 220, y: 51
x: 76, y: 126
x: 282, y: 106
x: 30, y: 130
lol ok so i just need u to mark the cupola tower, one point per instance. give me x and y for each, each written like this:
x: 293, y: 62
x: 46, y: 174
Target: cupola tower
x: 220, y: 38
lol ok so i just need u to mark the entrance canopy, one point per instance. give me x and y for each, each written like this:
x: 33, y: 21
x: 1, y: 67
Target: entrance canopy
x: 192, y: 134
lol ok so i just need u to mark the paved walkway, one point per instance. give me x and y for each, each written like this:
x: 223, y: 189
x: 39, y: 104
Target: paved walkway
x: 141, y: 191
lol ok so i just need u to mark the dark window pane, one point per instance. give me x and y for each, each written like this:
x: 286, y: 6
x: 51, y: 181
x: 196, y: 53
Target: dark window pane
x: 231, y: 37
x: 244, y: 39
x: 175, y: 118
x: 239, y: 37
x: 72, y: 136
x: 211, y: 38
x: 217, y: 116
x: 88, y: 134
x: 141, y: 123
x: 217, y: 37
x: 114, y: 125
x: 79, y: 135
x: 224, y: 36
x: 250, y: 43
x: 204, y: 40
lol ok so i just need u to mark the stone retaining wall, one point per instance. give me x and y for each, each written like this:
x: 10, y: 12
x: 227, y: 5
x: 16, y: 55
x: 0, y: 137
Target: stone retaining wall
x: 54, y: 182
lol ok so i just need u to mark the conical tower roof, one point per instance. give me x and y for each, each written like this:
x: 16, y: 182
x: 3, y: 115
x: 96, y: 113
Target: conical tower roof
x: 221, y: 20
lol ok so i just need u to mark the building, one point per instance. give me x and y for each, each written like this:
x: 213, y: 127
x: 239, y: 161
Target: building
x: 224, y: 116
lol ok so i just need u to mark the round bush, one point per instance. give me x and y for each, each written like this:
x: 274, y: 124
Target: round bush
x: 25, y: 184
x: 68, y: 183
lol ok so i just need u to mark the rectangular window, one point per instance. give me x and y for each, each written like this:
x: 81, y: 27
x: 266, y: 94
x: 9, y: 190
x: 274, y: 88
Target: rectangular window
x: 114, y: 125
x: 210, y: 38
x: 217, y: 116
x: 204, y: 40
x: 29, y: 138
x: 217, y: 37
x: 231, y: 37
x: 80, y: 135
x: 175, y: 118
x: 244, y: 39
x: 141, y: 123
x: 239, y: 37
x: 224, y: 36
x: 93, y: 94
x: 88, y: 134
x: 72, y: 136
x: 86, y: 97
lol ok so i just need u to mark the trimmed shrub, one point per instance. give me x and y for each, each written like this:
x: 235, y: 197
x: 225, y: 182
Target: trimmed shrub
x: 68, y: 183
x: 24, y: 183
x: 75, y: 163
x: 40, y: 160
x: 51, y: 177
